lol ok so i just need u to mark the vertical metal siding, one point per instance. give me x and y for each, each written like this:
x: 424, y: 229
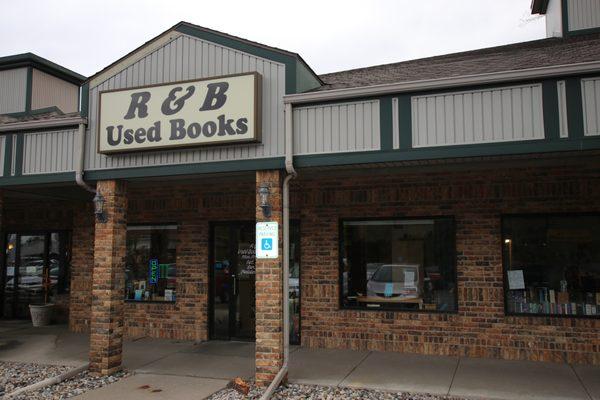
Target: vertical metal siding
x: 482, y: 116
x: 337, y: 128
x: 395, y: 123
x: 190, y: 58
x: 590, y: 93
x: 13, y: 88
x: 49, y: 91
x: 562, y: 109
x: 2, y: 153
x: 583, y: 14
x: 46, y: 152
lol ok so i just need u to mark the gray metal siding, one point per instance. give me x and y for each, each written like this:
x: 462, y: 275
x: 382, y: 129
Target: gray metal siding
x: 190, y: 58
x: 562, y: 109
x: 475, y: 117
x: 590, y: 93
x: 2, y: 153
x: 583, y: 14
x: 395, y: 124
x: 50, y: 91
x: 337, y: 128
x: 46, y: 152
x: 13, y: 88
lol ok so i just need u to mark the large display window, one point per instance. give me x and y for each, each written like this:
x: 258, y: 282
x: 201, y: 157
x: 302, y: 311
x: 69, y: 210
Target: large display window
x: 150, y: 271
x: 552, y: 264
x: 398, y: 264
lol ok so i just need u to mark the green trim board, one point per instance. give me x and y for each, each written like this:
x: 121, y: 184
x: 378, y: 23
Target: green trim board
x: 433, y: 153
x: 386, y: 123
x: 19, y: 150
x: 8, y: 147
x: 405, y: 120
x: 28, y: 90
x: 574, y: 107
x: 187, y: 169
x: 40, y: 179
x: 550, y: 109
x: 564, y: 11
x: 85, y: 100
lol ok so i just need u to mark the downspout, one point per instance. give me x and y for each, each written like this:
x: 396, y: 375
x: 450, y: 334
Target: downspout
x: 80, y: 165
x: 291, y: 174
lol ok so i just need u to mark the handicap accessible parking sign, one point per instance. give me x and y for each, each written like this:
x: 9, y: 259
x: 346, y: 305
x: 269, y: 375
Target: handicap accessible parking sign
x: 267, y: 236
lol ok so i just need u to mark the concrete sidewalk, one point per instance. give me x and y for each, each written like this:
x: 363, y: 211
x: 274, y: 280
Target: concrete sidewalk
x: 170, y: 369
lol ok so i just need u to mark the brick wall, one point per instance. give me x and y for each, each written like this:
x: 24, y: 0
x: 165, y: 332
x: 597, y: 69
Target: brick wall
x: 476, y: 199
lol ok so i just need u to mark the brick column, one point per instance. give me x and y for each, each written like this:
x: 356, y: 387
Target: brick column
x: 106, y: 339
x: 269, y: 328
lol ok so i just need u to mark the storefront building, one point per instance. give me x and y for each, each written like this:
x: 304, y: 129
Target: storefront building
x: 448, y: 205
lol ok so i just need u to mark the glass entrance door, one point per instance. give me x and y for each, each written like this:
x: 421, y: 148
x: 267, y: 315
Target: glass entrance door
x: 233, y: 281
x: 35, y: 270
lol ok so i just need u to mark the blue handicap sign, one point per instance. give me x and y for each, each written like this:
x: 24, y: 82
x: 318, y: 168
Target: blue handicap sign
x: 266, y: 244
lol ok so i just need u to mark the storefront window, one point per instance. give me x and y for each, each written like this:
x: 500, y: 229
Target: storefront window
x: 150, y: 272
x: 552, y: 264
x: 399, y: 264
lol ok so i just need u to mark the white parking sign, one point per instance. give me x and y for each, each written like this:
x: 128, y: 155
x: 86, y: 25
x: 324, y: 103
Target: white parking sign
x: 267, y: 240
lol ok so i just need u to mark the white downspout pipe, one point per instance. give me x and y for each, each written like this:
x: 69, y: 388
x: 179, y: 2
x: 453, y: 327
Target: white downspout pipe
x: 291, y: 174
x: 81, y: 159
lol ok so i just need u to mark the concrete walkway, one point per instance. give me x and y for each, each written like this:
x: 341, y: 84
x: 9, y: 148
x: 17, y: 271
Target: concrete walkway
x: 168, y: 369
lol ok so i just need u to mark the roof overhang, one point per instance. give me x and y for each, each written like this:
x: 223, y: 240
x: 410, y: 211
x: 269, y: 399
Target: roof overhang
x: 41, y: 124
x: 539, y: 6
x: 443, y: 83
x: 30, y: 59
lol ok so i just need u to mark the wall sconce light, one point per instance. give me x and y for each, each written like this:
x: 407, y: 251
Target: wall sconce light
x: 99, y: 208
x: 264, y: 191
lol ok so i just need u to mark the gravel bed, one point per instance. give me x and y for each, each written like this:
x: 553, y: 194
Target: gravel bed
x: 14, y: 375
x: 311, y: 392
x: 24, y: 374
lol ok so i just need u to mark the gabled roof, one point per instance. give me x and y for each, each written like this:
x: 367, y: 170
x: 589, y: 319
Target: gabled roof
x: 533, y: 54
x: 30, y: 59
x: 258, y: 49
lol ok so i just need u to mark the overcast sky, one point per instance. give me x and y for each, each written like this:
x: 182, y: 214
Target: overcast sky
x: 331, y: 35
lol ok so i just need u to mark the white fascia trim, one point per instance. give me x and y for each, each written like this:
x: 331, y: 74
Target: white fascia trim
x: 41, y: 124
x: 444, y: 83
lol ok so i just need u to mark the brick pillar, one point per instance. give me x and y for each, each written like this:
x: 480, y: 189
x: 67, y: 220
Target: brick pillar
x: 106, y: 338
x: 269, y: 328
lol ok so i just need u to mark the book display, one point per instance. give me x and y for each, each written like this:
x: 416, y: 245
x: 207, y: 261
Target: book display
x: 552, y: 265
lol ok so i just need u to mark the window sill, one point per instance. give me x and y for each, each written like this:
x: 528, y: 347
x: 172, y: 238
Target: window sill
x: 373, y: 309
x: 571, y: 316
x: 149, y: 301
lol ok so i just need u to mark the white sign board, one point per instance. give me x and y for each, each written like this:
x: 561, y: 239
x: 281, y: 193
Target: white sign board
x: 516, y: 279
x: 267, y: 240
x: 211, y: 111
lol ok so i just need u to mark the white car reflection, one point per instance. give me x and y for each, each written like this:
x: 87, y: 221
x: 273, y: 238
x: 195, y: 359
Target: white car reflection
x: 401, y: 281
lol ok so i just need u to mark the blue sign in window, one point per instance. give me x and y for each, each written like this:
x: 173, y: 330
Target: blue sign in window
x: 266, y: 244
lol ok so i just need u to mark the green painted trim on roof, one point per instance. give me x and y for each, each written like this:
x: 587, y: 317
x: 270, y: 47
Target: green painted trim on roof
x: 564, y: 11
x: 550, y: 109
x: 478, y: 150
x: 584, y: 31
x: 30, y: 59
x: 574, y: 107
x: 19, y: 150
x: 405, y: 121
x: 39, y: 179
x: 7, y: 155
x: 386, y: 125
x: 290, y: 61
x: 85, y: 100
x: 28, y: 90
x: 305, y: 78
x: 187, y: 169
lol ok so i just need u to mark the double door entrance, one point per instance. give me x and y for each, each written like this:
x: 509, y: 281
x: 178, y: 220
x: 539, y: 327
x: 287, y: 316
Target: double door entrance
x: 35, y: 271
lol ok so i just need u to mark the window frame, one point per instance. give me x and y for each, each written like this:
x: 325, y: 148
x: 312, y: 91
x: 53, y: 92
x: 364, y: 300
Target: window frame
x: 505, y: 273
x: 341, y: 221
x: 174, y: 226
